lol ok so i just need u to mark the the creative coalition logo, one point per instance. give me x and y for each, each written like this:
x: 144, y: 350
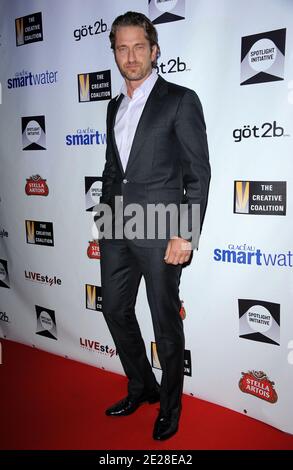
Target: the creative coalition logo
x: 173, y: 66
x: 25, y: 78
x: 260, y: 197
x: 165, y: 11
x: 33, y: 133
x: 93, y: 250
x: 36, y: 186
x: 29, y: 29
x: 259, y: 321
x: 98, y: 27
x: 87, y: 136
x: 4, y: 277
x: 267, y: 129
x: 93, y: 191
x: 156, y: 362
x: 46, y: 322
x: 3, y: 233
x: 93, y: 297
x: 39, y: 233
x: 43, y: 279
x: 245, y: 254
x: 263, y: 57
x: 96, y: 346
x: 95, y: 86
x: 257, y: 383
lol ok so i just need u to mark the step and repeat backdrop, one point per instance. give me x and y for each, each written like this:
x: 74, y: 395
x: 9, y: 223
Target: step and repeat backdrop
x: 57, y: 75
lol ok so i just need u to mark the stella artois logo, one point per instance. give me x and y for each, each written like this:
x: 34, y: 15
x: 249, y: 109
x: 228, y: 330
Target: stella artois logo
x: 36, y: 186
x: 182, y: 311
x: 258, y: 384
x: 93, y: 250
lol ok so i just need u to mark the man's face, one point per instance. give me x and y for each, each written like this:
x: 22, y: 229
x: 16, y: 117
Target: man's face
x: 133, y: 53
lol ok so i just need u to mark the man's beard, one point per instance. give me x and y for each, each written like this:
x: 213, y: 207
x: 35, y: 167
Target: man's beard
x: 135, y: 74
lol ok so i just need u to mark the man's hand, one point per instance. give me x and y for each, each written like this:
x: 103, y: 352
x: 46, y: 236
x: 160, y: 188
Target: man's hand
x: 178, y: 251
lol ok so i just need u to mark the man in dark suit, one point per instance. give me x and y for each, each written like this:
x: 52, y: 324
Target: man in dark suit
x: 156, y: 154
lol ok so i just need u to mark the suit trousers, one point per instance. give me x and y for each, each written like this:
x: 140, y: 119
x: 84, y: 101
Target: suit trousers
x: 123, y: 263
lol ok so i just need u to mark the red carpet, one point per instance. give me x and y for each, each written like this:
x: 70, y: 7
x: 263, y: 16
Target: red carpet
x: 48, y: 402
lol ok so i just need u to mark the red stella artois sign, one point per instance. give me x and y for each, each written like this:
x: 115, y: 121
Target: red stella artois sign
x: 257, y: 383
x: 93, y: 250
x: 36, y: 186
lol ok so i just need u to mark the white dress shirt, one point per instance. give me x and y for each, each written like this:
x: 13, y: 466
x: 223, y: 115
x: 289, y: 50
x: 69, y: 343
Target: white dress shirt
x: 128, y: 115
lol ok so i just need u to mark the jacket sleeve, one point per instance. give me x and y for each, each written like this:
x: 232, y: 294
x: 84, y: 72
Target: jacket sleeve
x: 110, y: 167
x: 190, y: 130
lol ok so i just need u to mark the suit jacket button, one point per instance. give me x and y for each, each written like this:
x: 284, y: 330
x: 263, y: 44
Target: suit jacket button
x: 125, y: 181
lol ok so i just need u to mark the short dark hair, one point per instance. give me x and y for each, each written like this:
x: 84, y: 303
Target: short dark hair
x: 133, y: 18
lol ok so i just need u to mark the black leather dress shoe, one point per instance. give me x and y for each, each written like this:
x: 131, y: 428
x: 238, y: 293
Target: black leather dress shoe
x: 166, y: 425
x: 129, y: 405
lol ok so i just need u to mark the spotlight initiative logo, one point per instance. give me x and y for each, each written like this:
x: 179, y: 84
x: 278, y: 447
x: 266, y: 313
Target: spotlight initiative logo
x: 46, y: 322
x: 4, y: 277
x: 259, y: 321
x: 165, y: 11
x: 93, y: 191
x: 33, y: 133
x: 29, y: 29
x: 263, y: 57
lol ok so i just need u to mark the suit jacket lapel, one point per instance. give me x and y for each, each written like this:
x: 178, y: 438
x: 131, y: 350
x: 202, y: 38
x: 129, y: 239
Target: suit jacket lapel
x: 112, y: 125
x: 151, y: 109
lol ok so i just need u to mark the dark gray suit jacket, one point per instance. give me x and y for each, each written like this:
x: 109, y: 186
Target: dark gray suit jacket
x: 169, y: 160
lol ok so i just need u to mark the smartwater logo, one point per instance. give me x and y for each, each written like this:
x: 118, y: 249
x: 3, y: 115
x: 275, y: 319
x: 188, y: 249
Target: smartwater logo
x: 86, y: 137
x: 247, y: 254
x: 24, y: 79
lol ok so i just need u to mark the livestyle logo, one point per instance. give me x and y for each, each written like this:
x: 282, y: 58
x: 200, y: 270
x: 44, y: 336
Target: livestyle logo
x: 260, y: 197
x: 258, y: 384
x: 36, y: 186
x: 46, y: 322
x: 96, y: 346
x: 156, y: 362
x: 94, y: 86
x: 263, y: 57
x: 165, y: 11
x: 43, y: 279
x: 259, y: 321
x: 29, y: 29
x: 82, y: 32
x: 93, y: 192
x: 33, y: 133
